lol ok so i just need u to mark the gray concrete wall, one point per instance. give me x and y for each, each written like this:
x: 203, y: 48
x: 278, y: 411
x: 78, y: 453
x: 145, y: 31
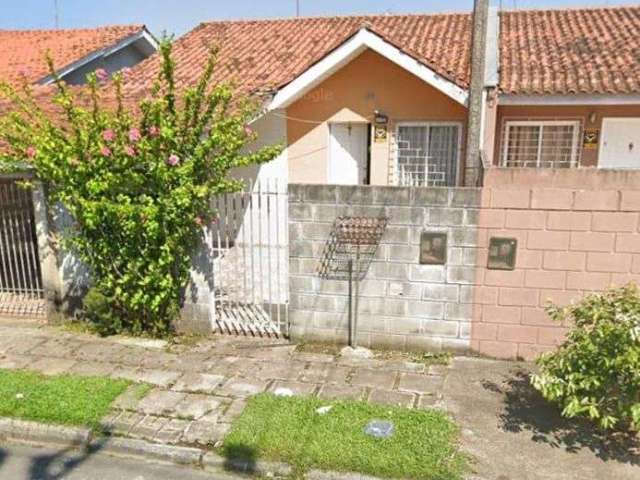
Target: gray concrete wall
x: 402, y: 305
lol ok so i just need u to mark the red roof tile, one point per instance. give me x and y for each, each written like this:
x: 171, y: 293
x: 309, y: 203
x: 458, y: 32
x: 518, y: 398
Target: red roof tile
x: 22, y: 52
x: 588, y: 51
x: 267, y: 54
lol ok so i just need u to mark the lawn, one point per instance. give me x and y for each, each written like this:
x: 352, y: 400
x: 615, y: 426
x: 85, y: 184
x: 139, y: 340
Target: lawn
x: 290, y: 430
x: 61, y: 399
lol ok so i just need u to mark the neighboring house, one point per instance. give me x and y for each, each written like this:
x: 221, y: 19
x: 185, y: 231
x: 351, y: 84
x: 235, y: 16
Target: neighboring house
x: 75, y: 52
x: 383, y: 99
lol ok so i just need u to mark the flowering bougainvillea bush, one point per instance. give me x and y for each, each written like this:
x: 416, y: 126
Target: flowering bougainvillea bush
x: 596, y: 372
x: 136, y: 179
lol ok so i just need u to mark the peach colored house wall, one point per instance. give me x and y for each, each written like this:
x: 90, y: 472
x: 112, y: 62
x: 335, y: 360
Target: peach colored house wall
x: 369, y: 82
x: 588, y: 157
x: 574, y: 236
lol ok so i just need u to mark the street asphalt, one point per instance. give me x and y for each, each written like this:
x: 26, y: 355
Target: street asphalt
x: 20, y: 462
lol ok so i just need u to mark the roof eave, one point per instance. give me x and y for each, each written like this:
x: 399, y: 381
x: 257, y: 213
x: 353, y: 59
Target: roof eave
x: 347, y: 51
x: 143, y: 34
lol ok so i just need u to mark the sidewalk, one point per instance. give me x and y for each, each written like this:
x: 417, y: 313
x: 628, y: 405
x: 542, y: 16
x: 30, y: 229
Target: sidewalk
x: 199, y: 390
x: 508, y: 429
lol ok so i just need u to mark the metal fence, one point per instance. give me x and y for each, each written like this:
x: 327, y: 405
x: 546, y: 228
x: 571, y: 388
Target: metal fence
x: 21, y: 291
x: 249, y: 249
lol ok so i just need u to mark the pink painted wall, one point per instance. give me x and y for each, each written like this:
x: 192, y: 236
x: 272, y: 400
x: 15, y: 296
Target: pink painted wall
x: 576, y: 233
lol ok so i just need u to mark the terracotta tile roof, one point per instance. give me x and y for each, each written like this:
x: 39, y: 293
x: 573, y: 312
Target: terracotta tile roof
x: 589, y: 51
x: 268, y: 54
x: 22, y: 52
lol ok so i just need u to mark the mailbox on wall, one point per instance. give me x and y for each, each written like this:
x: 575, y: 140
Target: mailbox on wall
x: 502, y: 253
x: 433, y: 248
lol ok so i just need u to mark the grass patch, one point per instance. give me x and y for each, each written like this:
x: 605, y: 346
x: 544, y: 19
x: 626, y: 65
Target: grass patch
x: 289, y: 429
x: 60, y: 399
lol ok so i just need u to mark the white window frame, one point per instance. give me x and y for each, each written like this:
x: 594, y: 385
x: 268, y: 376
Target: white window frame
x: 429, y: 124
x: 575, y: 154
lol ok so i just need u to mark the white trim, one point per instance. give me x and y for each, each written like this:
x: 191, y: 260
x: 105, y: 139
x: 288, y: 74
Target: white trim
x: 427, y: 123
x: 576, y: 99
x: 105, y: 52
x: 350, y: 49
x: 576, y: 124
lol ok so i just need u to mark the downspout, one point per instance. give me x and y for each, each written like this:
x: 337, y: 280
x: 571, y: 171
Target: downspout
x: 472, y: 170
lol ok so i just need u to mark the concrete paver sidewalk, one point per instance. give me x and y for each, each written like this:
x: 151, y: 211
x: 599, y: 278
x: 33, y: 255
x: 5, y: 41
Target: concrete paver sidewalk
x: 198, y: 390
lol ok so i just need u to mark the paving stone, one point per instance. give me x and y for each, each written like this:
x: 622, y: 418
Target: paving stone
x: 126, y: 373
x: 373, y: 378
x: 160, y: 402
x: 23, y: 344
x: 428, y: 401
x: 125, y: 422
x: 314, y: 357
x: 391, y: 397
x: 238, y: 387
x: 92, y: 369
x: 411, y: 382
x: 325, y: 373
x: 280, y: 352
x: 130, y: 398
x: 198, y: 382
x: 161, y: 378
x: 172, y: 431
x: 148, y: 427
x: 281, y: 371
x: 341, y: 392
x: 438, y: 369
x: 98, y: 352
x: 298, y: 388
x: 14, y: 362
x: 194, y: 406
x: 107, y: 423
x: 234, y: 409
x: 206, y: 433
x: 52, y: 366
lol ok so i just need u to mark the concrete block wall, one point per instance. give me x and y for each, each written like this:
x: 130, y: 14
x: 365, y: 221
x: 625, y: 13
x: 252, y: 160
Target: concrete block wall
x: 403, y: 305
x: 571, y: 241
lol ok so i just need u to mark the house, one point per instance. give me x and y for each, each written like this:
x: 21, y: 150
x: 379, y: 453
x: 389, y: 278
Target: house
x: 75, y: 52
x: 384, y: 99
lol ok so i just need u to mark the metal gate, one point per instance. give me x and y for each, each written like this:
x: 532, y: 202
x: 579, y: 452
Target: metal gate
x: 249, y: 250
x: 21, y: 291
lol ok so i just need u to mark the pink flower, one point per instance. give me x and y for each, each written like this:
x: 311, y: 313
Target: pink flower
x: 173, y: 160
x: 105, y: 151
x: 134, y: 135
x: 108, y: 135
x: 102, y: 74
x: 154, y: 131
x: 199, y: 221
x: 248, y: 131
x: 129, y: 150
x: 31, y: 151
x: 126, y: 73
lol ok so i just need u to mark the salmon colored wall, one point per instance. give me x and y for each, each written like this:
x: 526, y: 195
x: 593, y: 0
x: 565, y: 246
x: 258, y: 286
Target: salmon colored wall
x: 369, y: 82
x: 572, y: 240
x: 589, y: 157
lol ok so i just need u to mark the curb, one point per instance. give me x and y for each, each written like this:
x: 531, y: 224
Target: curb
x: 23, y: 431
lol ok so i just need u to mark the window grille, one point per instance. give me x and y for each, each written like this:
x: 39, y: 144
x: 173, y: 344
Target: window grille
x: 427, y: 154
x: 540, y: 144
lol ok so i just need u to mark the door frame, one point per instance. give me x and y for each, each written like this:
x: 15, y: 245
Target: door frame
x: 367, y: 175
x: 611, y: 120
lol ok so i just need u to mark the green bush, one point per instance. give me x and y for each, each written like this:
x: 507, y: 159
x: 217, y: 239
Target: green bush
x: 596, y: 372
x: 99, y: 312
x: 136, y: 175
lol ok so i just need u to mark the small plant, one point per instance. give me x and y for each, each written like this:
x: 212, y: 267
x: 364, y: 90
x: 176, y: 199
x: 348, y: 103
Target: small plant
x: 596, y: 372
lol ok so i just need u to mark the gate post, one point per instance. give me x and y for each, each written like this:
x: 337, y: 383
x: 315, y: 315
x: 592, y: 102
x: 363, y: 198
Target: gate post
x: 51, y: 282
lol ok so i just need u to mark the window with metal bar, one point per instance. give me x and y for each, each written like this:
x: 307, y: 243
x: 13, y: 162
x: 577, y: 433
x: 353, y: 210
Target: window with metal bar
x: 427, y: 154
x: 540, y: 144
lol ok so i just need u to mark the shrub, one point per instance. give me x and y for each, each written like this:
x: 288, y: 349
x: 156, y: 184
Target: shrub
x: 137, y: 178
x: 596, y: 372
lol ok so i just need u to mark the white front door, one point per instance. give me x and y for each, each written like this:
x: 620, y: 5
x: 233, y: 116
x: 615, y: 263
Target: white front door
x: 347, y: 163
x: 620, y: 143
